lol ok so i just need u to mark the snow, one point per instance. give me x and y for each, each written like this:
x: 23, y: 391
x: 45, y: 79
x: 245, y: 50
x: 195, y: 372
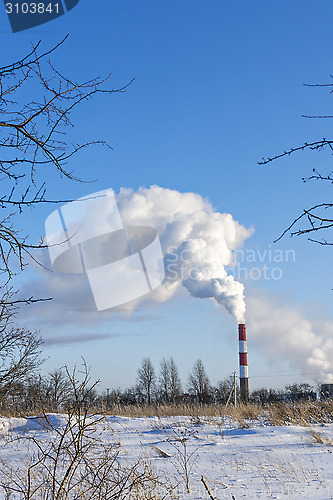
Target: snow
x: 259, y: 461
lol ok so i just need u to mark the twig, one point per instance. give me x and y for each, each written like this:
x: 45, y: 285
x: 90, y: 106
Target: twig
x: 207, y: 489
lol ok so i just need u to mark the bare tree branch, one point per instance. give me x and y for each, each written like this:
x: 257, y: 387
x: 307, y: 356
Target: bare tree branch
x: 314, y: 217
x: 33, y: 137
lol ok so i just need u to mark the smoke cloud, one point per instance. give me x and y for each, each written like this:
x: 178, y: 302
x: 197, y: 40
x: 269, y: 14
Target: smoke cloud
x: 196, y: 240
x: 282, y: 331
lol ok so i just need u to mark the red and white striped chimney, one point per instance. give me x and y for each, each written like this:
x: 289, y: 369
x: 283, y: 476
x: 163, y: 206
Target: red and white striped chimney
x: 243, y: 368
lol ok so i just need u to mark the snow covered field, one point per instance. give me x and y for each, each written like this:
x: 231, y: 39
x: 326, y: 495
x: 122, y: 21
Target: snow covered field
x: 259, y: 461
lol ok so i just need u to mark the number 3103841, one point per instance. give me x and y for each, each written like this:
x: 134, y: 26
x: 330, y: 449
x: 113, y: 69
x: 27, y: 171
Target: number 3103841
x: 31, y: 8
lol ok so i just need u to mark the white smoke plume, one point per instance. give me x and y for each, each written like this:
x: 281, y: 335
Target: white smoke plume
x: 198, y: 243
x: 284, y: 332
x: 196, y: 240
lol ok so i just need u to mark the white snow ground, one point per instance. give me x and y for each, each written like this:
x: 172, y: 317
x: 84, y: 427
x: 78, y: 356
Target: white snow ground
x: 260, y: 461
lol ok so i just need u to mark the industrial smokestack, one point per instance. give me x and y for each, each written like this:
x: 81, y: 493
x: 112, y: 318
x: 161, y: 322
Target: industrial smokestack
x: 243, y: 368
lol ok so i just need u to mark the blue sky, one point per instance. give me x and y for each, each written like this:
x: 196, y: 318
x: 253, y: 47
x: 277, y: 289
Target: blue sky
x: 218, y: 85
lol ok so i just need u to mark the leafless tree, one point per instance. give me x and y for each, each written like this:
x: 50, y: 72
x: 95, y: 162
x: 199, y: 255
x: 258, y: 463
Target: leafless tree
x: 130, y: 396
x: 175, y: 383
x: 146, y: 380
x: 164, y: 381
x: 300, y: 391
x: 264, y: 395
x: 319, y: 216
x: 169, y: 381
x: 58, y: 390
x: 36, y: 105
x: 20, y: 352
x: 110, y: 397
x: 199, y: 383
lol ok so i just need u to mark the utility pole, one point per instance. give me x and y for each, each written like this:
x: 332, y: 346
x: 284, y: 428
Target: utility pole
x: 235, y: 390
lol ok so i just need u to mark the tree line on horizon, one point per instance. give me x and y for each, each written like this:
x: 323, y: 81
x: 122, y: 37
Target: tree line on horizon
x: 166, y: 387
x: 24, y: 389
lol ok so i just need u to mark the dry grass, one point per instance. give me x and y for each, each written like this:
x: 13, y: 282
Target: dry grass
x: 302, y: 413
x: 242, y: 411
x: 320, y: 438
x: 166, y: 410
